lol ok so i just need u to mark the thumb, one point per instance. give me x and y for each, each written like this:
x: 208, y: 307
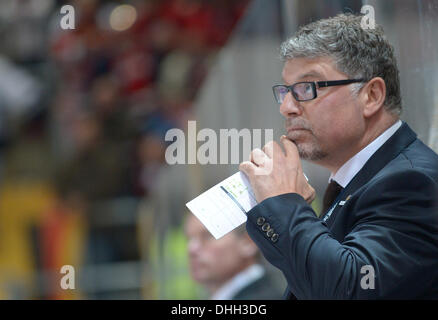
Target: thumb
x: 290, y: 148
x: 247, y: 167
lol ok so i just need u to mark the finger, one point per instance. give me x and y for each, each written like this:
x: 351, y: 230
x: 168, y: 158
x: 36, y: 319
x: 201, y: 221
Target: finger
x: 248, y: 168
x: 258, y: 157
x: 312, y: 197
x: 290, y: 147
x: 291, y: 151
x: 271, y: 148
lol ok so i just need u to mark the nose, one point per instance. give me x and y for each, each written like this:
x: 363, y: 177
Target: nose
x: 290, y: 107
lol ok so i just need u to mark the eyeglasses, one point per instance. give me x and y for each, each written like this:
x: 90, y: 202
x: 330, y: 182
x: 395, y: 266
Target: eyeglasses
x: 305, y: 91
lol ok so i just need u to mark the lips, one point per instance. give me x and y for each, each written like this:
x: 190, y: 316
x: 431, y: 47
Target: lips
x: 295, y: 129
x: 295, y: 125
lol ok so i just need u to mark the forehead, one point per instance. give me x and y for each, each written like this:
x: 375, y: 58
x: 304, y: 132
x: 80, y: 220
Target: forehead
x: 193, y: 225
x: 194, y: 228
x: 322, y: 68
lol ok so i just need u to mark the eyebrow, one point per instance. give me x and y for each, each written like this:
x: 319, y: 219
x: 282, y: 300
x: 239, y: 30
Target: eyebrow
x: 312, y: 73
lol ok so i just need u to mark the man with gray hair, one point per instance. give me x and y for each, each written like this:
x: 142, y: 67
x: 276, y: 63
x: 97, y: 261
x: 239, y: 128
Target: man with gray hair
x: 377, y: 235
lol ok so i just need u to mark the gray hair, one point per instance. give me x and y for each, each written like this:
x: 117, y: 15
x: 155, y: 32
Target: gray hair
x: 357, y: 52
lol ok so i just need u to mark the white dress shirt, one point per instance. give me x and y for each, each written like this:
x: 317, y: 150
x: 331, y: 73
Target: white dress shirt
x: 238, y: 282
x: 350, y: 168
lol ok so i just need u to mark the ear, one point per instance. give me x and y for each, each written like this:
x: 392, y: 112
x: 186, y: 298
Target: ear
x: 373, y: 96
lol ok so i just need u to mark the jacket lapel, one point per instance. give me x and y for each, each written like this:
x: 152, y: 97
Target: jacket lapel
x: 403, y: 137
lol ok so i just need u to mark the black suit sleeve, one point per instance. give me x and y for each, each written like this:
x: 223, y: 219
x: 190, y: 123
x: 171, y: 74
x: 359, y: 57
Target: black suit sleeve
x: 393, y: 229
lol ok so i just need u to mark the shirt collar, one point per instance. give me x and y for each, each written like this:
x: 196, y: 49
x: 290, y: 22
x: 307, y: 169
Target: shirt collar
x: 350, y: 168
x: 238, y: 282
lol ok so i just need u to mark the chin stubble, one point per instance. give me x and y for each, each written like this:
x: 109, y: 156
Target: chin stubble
x: 308, y: 151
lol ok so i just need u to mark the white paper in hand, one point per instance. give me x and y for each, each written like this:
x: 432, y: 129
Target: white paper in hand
x: 223, y: 207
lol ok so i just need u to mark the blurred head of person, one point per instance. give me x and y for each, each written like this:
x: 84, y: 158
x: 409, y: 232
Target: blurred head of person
x: 151, y: 149
x: 86, y: 131
x: 214, y: 262
x: 105, y: 95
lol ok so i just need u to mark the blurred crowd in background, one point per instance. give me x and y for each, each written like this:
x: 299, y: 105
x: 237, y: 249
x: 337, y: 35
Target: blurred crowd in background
x: 83, y: 115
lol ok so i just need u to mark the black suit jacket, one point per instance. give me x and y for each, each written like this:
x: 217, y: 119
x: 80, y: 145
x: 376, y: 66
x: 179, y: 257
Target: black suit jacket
x: 264, y: 288
x: 389, y: 221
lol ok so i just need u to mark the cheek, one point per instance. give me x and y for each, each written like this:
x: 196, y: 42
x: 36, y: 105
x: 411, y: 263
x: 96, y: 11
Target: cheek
x: 217, y: 253
x: 224, y: 257
x: 334, y: 119
x: 323, y: 124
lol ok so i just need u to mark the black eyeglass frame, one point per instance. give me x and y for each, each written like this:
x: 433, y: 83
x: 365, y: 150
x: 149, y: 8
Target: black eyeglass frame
x: 315, y: 85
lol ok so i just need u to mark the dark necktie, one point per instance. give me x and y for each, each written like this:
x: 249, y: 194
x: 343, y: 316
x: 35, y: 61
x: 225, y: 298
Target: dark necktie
x: 330, y: 195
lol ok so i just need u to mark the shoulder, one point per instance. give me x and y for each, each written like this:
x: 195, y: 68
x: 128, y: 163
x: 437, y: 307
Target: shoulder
x: 421, y: 157
x: 407, y: 186
x: 415, y: 164
x: 402, y: 186
x: 264, y: 288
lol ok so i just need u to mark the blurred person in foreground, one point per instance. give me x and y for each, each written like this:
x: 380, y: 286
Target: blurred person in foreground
x: 377, y: 235
x: 230, y: 267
